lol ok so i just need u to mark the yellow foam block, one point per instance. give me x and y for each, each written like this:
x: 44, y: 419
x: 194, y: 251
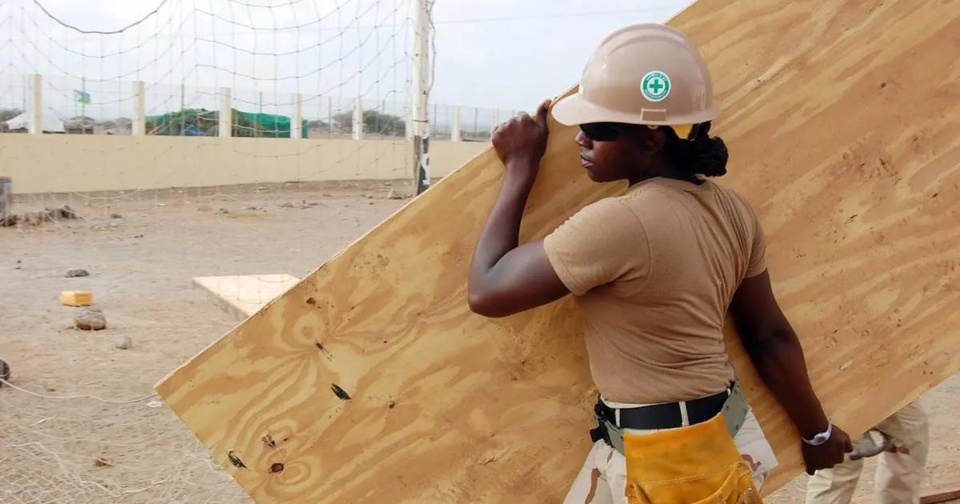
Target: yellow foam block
x: 76, y: 298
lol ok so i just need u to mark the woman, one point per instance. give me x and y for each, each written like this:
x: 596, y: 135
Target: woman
x: 654, y: 272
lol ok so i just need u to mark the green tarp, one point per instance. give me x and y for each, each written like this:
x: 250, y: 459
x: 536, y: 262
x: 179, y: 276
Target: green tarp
x: 202, y: 122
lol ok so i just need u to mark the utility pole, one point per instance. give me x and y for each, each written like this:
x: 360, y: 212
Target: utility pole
x: 421, y: 93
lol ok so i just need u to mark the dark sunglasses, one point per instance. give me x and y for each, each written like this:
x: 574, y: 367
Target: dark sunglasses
x: 602, y: 131
x: 608, y: 131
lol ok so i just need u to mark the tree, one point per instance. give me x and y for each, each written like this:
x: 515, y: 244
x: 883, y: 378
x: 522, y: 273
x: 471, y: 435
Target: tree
x: 191, y: 121
x: 374, y: 122
x: 7, y: 114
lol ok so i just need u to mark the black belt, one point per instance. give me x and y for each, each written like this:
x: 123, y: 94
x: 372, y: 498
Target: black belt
x: 667, y: 415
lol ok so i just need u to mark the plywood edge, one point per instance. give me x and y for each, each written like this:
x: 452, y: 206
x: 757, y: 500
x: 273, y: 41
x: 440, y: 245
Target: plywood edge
x: 203, y: 282
x: 162, y: 387
x: 466, y: 170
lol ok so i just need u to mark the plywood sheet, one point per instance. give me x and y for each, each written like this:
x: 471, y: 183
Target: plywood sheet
x: 244, y: 295
x: 371, y: 381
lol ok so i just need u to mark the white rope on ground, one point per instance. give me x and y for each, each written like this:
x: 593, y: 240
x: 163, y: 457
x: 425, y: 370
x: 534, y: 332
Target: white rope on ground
x: 74, y: 397
x: 85, y: 449
x: 101, y: 486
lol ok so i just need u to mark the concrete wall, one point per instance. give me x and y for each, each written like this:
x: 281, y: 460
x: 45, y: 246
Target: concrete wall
x: 80, y: 163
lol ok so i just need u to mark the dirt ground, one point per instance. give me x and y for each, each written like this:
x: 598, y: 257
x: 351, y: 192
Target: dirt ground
x: 59, y: 445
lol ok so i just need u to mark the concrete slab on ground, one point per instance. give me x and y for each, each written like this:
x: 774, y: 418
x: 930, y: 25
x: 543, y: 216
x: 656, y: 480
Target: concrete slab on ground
x: 244, y: 295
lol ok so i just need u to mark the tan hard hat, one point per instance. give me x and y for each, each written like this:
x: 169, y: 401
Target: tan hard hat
x: 643, y: 74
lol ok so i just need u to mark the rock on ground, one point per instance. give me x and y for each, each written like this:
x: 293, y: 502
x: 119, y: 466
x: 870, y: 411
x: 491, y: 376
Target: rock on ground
x: 123, y: 343
x: 37, y: 218
x: 74, y: 273
x: 55, y: 214
x: 4, y: 372
x: 90, y: 319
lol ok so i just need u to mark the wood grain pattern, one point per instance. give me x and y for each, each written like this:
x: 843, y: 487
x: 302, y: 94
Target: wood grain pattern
x: 842, y: 120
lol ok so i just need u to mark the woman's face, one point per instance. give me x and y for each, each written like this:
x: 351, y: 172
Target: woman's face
x: 611, y: 152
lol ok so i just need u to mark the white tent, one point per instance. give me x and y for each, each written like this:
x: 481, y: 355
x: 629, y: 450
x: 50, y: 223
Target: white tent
x: 51, y: 124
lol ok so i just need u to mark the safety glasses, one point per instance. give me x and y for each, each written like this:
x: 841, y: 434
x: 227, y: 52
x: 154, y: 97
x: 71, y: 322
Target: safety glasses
x: 602, y: 131
x: 608, y: 131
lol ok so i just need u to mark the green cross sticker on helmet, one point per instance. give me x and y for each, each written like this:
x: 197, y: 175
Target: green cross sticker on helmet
x: 655, y: 86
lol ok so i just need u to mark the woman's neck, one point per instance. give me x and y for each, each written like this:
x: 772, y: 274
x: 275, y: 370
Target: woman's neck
x: 666, y: 172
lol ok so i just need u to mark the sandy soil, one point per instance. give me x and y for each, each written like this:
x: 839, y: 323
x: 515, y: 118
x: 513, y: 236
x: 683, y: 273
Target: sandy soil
x: 141, y: 249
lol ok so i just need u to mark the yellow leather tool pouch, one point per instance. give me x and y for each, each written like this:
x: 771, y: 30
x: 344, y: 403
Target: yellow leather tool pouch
x: 698, y: 464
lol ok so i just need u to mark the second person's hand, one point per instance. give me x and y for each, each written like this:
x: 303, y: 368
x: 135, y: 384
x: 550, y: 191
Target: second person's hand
x: 828, y: 454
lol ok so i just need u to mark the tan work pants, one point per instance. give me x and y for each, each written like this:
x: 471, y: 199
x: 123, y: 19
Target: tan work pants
x: 899, y: 469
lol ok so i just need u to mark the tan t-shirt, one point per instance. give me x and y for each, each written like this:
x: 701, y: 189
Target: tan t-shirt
x: 654, y: 272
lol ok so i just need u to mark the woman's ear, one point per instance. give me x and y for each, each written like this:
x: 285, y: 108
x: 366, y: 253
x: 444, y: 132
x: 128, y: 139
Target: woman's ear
x: 656, y: 139
x: 651, y: 140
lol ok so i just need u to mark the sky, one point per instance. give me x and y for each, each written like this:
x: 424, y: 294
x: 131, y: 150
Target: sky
x: 504, y: 54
